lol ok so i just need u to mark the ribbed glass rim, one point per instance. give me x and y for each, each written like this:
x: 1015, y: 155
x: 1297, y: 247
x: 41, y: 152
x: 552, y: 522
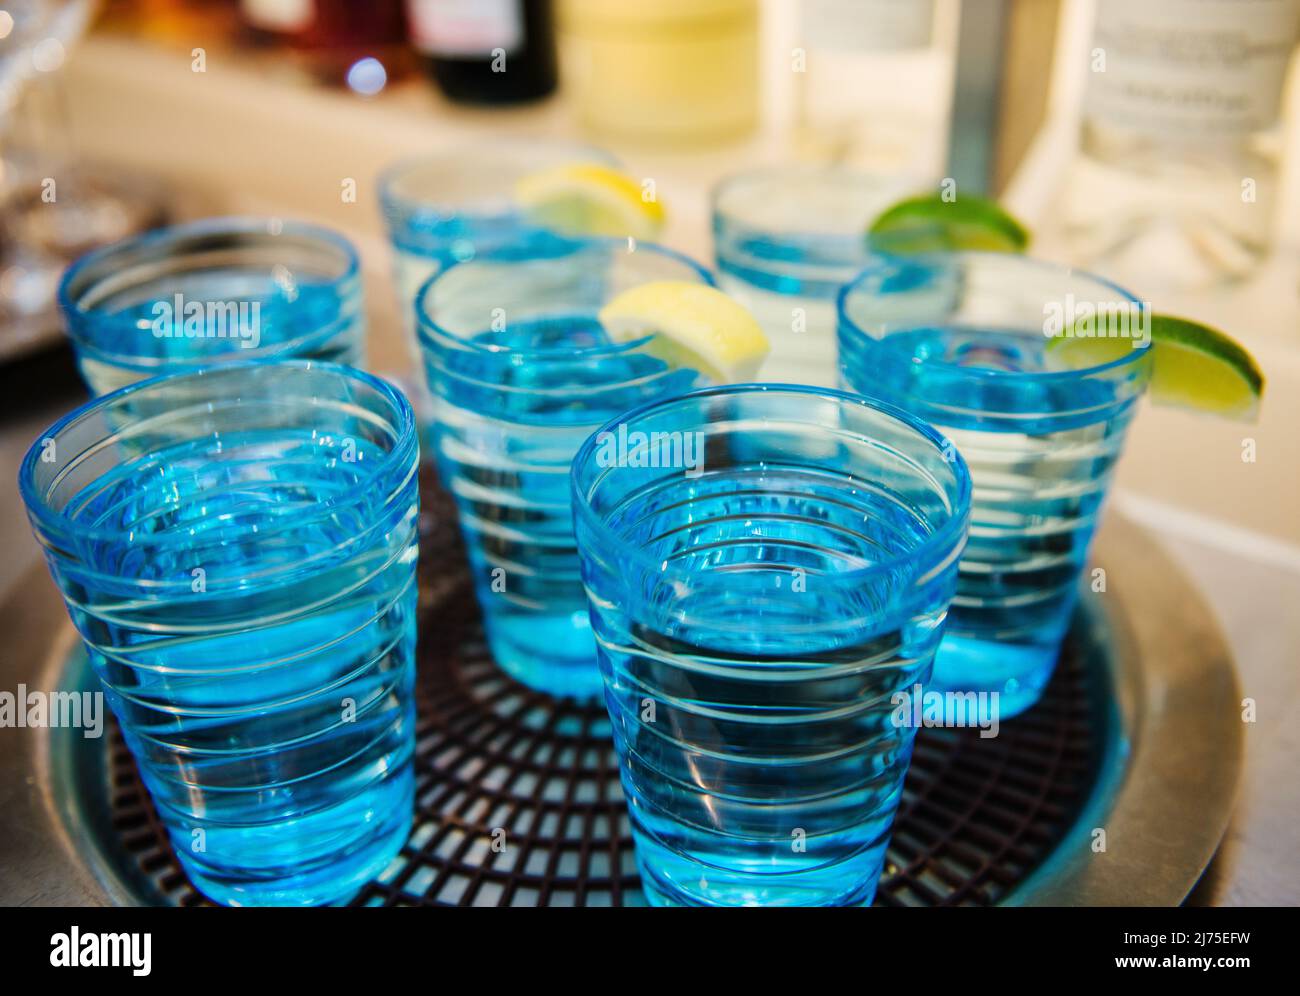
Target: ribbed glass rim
x: 1012, y: 260
x: 935, y: 548
x: 779, y: 171
x: 431, y: 333
x: 77, y: 317
x: 394, y: 205
x: 404, y: 447
x: 828, y: 254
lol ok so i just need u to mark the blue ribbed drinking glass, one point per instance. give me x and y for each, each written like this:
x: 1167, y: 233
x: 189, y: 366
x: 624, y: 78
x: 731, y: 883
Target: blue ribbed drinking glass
x: 785, y: 240
x: 447, y: 208
x: 963, y: 341
x: 237, y: 549
x: 762, y: 614
x: 521, y: 373
x: 214, y: 291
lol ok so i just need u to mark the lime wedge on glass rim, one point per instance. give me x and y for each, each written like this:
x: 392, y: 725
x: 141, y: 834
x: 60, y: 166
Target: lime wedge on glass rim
x: 695, y: 327
x: 929, y: 223
x: 1193, y: 365
x: 589, y: 199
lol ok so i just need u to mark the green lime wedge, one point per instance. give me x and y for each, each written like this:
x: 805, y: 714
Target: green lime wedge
x: 929, y: 223
x: 1193, y: 365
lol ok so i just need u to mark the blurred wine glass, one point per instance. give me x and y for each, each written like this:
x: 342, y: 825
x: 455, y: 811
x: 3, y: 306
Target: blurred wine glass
x: 53, y: 205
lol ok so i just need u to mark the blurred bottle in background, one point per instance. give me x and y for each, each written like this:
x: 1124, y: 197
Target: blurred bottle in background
x: 872, y: 81
x: 667, y: 72
x: 486, y: 51
x: 362, y: 45
x: 182, y: 21
x: 1176, y: 184
x: 277, y: 21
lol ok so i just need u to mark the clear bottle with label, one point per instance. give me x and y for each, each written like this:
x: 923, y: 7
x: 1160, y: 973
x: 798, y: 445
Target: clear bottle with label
x: 1176, y: 183
x: 872, y: 82
x: 486, y: 51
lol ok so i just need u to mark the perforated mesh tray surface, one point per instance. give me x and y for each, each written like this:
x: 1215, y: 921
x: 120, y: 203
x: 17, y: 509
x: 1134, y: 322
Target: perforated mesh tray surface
x: 494, y: 757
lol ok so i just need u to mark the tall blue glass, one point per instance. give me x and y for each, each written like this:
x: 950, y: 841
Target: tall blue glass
x: 962, y: 340
x: 761, y: 618
x: 785, y: 240
x: 521, y: 373
x: 221, y: 290
x: 237, y: 549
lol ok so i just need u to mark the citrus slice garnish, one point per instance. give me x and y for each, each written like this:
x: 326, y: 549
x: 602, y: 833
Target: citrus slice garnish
x: 695, y: 327
x: 589, y: 199
x: 929, y: 223
x: 1193, y: 365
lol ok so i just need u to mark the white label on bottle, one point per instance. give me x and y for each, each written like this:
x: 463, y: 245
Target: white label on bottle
x: 1181, y: 67
x: 868, y: 25
x: 465, y: 27
x: 279, y: 15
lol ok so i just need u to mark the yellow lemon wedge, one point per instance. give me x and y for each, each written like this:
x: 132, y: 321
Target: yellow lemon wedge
x: 695, y: 327
x: 589, y: 199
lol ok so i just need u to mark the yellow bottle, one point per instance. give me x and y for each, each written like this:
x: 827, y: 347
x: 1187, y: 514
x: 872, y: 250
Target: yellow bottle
x: 668, y: 72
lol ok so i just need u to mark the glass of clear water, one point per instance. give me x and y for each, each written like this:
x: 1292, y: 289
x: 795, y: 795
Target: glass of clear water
x: 215, y: 291
x: 761, y: 614
x: 237, y: 549
x: 785, y: 240
x: 450, y: 207
x: 521, y: 373
x: 963, y: 340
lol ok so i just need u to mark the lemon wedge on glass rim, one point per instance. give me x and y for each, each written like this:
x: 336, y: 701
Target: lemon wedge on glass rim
x: 589, y: 199
x: 695, y: 327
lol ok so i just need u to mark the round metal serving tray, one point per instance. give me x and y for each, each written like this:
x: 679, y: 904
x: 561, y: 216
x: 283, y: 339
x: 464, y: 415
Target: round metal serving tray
x: 1114, y: 789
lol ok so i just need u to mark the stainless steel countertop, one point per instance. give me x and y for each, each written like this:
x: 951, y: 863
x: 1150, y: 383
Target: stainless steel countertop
x: 1255, y: 599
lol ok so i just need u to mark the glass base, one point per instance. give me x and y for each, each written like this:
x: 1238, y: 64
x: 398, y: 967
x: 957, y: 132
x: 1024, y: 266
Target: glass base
x: 552, y: 654
x: 671, y: 879
x: 329, y: 878
x: 1016, y: 672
